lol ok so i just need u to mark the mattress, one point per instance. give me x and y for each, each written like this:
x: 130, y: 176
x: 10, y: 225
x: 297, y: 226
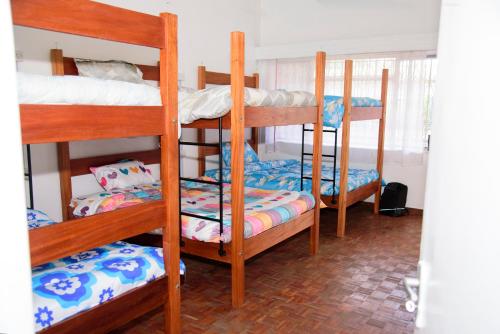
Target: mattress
x: 76, y: 283
x: 212, y: 102
x: 334, y: 108
x: 285, y: 175
x: 264, y: 209
x: 68, y: 286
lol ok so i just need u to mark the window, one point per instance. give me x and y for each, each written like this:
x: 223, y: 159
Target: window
x: 409, y: 104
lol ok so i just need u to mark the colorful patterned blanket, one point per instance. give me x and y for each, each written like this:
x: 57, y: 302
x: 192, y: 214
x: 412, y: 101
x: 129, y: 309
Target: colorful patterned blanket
x: 334, y: 108
x: 77, y: 283
x: 264, y: 209
x: 285, y: 175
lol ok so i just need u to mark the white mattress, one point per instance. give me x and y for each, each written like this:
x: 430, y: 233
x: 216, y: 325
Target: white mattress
x: 208, y: 103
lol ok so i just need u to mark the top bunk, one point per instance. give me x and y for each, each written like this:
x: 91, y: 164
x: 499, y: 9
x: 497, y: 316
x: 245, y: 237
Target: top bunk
x: 44, y: 122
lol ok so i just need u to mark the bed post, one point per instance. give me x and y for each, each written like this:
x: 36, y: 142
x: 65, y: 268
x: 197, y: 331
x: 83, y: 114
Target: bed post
x: 344, y: 158
x: 255, y: 131
x: 63, y: 157
x: 170, y: 172
x: 317, y: 148
x: 237, y: 161
x: 381, y: 137
x: 202, y: 83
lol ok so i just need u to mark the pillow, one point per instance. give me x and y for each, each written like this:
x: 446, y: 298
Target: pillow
x: 110, y: 70
x: 122, y: 175
x: 249, y: 155
x: 37, y: 219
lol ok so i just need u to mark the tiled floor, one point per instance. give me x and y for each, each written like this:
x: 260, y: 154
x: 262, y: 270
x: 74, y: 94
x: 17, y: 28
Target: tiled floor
x: 354, y: 284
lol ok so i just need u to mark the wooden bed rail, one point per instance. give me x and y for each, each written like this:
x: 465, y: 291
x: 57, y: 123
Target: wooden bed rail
x: 101, y: 21
x: 71, y: 237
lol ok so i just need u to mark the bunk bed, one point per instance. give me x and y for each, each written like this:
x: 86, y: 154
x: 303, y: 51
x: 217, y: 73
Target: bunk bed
x: 339, y: 188
x: 62, y: 123
x: 242, y: 114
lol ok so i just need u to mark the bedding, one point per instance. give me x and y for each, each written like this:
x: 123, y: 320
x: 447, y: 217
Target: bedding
x: 109, y: 69
x: 76, y: 283
x: 115, y: 199
x: 212, y: 102
x: 264, y: 209
x: 249, y: 154
x: 37, y: 219
x: 122, y: 174
x: 285, y: 175
x: 333, y: 110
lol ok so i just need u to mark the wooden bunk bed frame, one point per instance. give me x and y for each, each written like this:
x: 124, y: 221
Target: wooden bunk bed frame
x: 216, y: 78
x: 345, y: 199
x: 351, y: 114
x: 56, y: 123
x: 241, y: 117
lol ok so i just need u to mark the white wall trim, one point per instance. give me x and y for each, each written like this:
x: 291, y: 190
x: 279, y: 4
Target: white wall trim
x: 393, y: 43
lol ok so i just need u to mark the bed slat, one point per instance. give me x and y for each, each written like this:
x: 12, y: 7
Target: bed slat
x: 70, y: 237
x: 87, y: 122
x: 100, y: 20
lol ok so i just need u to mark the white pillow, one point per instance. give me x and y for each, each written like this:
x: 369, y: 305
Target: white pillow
x: 122, y: 175
x: 110, y: 70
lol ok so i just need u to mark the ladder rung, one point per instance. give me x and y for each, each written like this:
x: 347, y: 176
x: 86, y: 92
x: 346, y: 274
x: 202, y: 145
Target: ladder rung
x: 217, y: 183
x: 310, y: 178
x: 323, y: 155
x: 200, y: 216
x: 328, y: 131
x: 192, y: 143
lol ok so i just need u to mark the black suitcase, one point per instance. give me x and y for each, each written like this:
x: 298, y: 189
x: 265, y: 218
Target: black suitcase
x: 393, y: 200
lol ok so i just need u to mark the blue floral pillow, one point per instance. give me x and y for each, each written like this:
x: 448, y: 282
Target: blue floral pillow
x: 250, y: 155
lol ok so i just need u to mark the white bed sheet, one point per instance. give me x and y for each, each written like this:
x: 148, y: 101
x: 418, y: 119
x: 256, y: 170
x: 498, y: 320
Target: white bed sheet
x: 212, y: 102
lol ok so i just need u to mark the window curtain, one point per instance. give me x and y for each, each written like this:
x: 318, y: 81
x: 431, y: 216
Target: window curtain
x: 411, y: 86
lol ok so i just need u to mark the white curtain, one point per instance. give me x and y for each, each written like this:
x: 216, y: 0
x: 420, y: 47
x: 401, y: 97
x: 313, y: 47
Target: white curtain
x: 411, y: 82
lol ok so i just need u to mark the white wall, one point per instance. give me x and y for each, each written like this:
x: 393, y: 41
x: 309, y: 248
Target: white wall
x: 16, y: 306
x: 204, y: 28
x: 297, y: 28
x: 459, y: 268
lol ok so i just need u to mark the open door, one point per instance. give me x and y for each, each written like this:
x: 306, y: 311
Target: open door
x: 460, y: 249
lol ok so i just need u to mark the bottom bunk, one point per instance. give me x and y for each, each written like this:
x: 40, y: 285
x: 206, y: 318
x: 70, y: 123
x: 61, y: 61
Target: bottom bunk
x: 286, y: 174
x: 95, y: 289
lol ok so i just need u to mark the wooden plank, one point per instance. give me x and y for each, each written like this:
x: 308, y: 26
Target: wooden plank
x: 237, y: 167
x: 262, y: 117
x: 63, y: 155
x: 317, y: 149
x: 381, y: 137
x: 357, y: 195
x: 149, y: 72
x: 218, y: 78
x: 116, y: 312
x: 365, y: 113
x: 254, y: 134
x: 64, y: 165
x: 84, y: 122
x: 344, y: 157
x: 81, y: 166
x: 70, y: 237
x: 91, y: 19
x: 170, y: 171
x: 200, y: 133
x: 277, y: 234
x: 207, y: 250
